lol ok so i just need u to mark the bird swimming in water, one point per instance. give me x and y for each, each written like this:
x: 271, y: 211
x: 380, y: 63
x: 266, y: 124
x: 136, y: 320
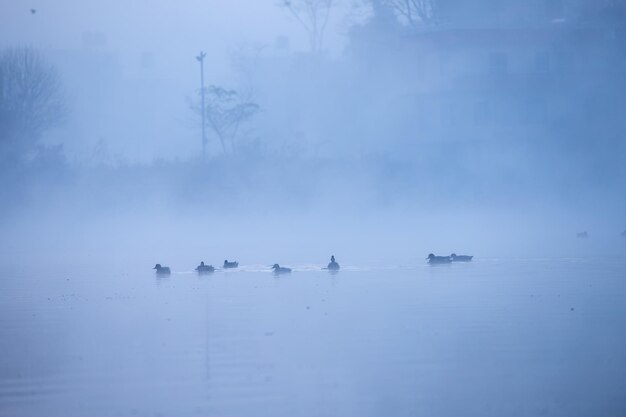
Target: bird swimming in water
x: 33, y: 11
x: 582, y: 235
x: 280, y: 269
x: 202, y: 268
x: 624, y: 233
x: 162, y: 270
x: 333, y: 265
x: 230, y: 264
x: 460, y: 258
x: 432, y: 259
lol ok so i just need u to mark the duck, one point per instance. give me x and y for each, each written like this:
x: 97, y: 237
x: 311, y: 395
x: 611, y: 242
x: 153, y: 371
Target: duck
x: 582, y: 235
x: 280, y: 269
x: 202, y: 268
x: 230, y: 264
x: 460, y: 258
x: 624, y: 233
x: 432, y: 259
x: 162, y: 270
x: 333, y: 265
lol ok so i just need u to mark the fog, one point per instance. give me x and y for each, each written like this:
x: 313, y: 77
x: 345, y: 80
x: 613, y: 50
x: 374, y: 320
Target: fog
x: 485, y: 119
x: 357, y: 128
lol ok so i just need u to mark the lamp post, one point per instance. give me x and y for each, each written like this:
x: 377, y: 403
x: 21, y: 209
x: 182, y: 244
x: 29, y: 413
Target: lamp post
x: 200, y: 59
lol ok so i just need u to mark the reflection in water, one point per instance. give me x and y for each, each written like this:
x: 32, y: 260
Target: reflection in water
x: 334, y: 279
x: 489, y: 338
x: 161, y: 278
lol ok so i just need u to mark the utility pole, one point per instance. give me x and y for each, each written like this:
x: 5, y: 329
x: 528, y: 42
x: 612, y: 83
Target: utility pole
x: 200, y: 59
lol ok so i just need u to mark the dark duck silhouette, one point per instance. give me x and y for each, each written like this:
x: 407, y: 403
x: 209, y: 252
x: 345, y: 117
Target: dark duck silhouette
x: 333, y: 265
x: 432, y: 259
x: 203, y: 269
x: 230, y: 264
x: 582, y: 235
x: 162, y: 270
x: 280, y: 269
x: 460, y: 258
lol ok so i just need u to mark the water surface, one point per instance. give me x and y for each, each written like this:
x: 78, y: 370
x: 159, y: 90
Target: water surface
x: 514, y: 337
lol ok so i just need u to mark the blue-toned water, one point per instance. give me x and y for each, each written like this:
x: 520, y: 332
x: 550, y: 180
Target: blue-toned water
x: 495, y: 337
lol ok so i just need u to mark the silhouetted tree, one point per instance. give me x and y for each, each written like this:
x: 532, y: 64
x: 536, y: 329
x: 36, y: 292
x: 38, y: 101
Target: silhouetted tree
x: 31, y: 100
x: 226, y: 111
x: 313, y: 15
x: 414, y: 12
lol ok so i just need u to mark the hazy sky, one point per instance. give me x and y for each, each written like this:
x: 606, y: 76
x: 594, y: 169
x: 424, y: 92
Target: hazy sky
x: 171, y: 31
x: 169, y: 34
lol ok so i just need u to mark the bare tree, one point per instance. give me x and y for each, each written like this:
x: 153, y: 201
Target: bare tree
x: 245, y: 59
x: 414, y: 12
x: 31, y: 99
x: 313, y: 15
x: 226, y: 111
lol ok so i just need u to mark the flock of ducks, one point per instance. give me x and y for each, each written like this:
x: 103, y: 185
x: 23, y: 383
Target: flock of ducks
x: 205, y: 269
x: 333, y: 265
x: 432, y: 259
x: 585, y: 235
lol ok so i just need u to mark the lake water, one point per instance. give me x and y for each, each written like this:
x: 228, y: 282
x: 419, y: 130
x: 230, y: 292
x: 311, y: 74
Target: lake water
x: 496, y: 337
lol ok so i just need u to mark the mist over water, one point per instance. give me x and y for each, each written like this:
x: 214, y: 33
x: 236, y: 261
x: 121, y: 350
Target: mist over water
x: 379, y: 135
